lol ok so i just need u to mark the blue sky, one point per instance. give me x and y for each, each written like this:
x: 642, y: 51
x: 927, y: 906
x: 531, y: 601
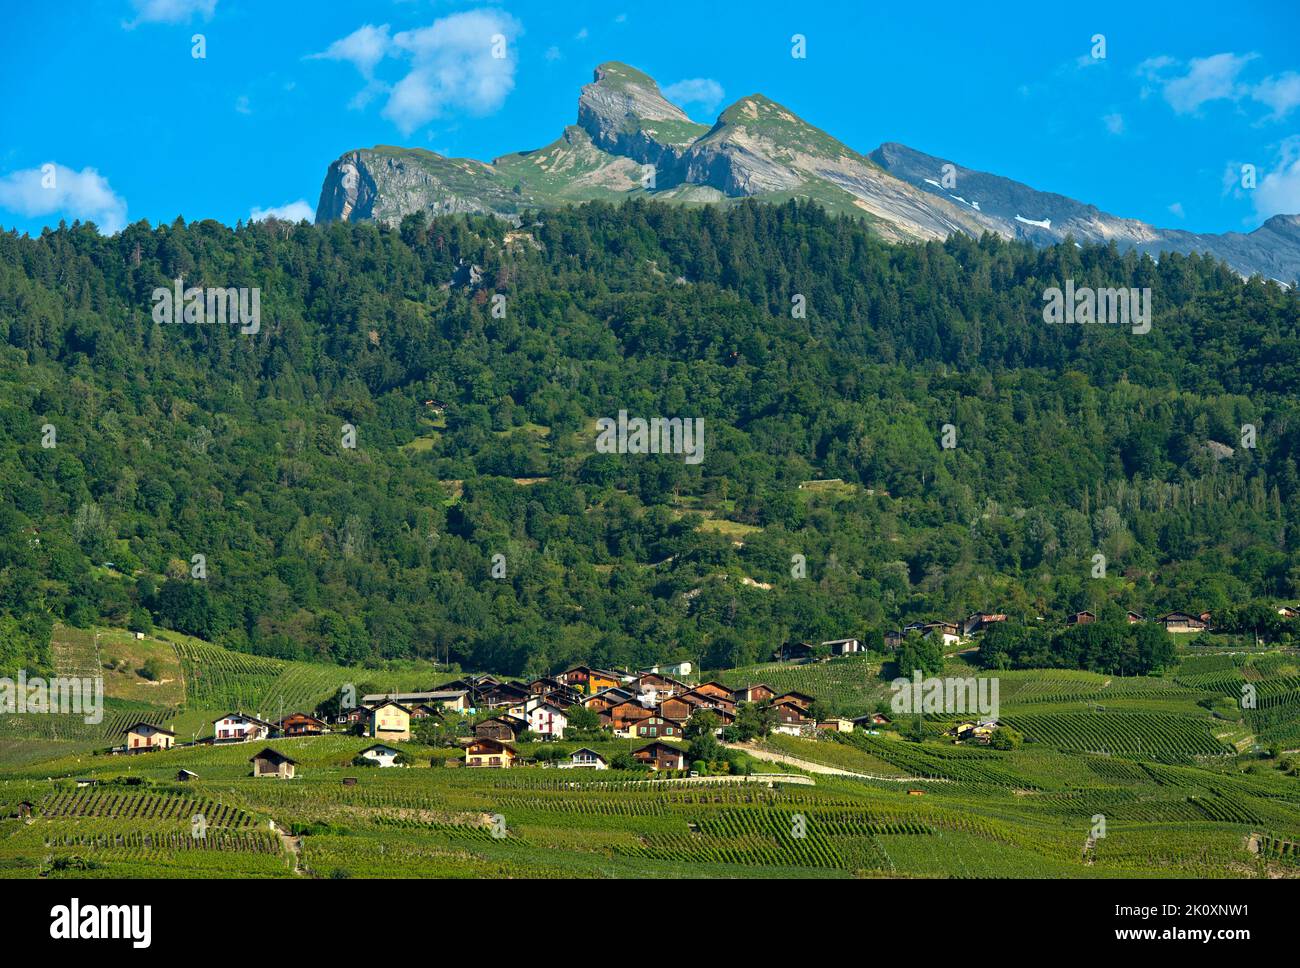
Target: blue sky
x: 109, y: 93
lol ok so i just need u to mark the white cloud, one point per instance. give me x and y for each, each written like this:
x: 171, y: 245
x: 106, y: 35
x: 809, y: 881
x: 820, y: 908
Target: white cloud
x: 452, y: 66
x: 289, y: 212
x: 169, y: 11
x: 1204, y: 79
x: 704, y: 91
x: 449, y: 66
x: 1177, y: 210
x: 581, y: 34
x: 1207, y: 79
x: 553, y: 53
x: 1114, y: 123
x: 1279, y: 190
x: 1281, y: 93
x: 242, y: 105
x: 364, y: 48
x: 54, y: 188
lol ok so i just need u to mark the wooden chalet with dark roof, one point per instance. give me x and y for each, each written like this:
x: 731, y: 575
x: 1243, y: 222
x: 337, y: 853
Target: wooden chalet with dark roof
x: 755, y: 693
x: 660, y: 756
x: 505, y: 729
x: 657, y: 727
x: 801, y: 699
x: 301, y: 724
x: 1183, y: 622
x: 793, y: 652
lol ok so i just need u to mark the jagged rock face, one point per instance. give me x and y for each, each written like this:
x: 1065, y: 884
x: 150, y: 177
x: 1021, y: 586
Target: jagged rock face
x: 389, y: 185
x: 760, y: 149
x: 348, y: 192
x: 624, y: 113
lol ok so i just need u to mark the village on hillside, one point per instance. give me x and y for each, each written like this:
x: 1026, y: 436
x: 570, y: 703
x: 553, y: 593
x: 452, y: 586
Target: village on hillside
x: 660, y: 709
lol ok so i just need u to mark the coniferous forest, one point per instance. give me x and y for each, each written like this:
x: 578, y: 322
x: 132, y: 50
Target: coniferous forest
x: 1173, y: 453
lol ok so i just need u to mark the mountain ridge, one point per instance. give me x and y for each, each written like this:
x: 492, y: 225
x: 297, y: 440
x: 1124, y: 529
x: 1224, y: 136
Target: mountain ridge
x: 630, y: 140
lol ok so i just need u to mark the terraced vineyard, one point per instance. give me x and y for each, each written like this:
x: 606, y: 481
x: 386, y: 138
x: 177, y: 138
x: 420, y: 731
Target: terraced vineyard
x: 1150, y: 734
x: 1145, y: 753
x: 850, y: 684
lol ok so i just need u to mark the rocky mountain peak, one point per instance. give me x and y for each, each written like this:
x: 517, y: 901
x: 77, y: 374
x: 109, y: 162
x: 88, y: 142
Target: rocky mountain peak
x: 626, y: 130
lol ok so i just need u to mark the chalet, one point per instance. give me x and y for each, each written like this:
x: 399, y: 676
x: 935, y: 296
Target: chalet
x: 873, y: 719
x: 655, y: 688
x: 585, y: 759
x: 801, y: 699
x: 1081, y: 618
x: 893, y: 640
x: 1286, y: 611
x: 759, y: 693
x: 185, y: 776
x: 836, y: 725
x: 660, y: 683
x: 843, y: 646
x: 726, y: 717
x: 1181, y: 622
x: 656, y: 727
x: 301, y: 724
x: 25, y: 808
x: 381, y: 755
x: 544, y: 684
x: 948, y: 633
x: 391, y: 721
x: 981, y: 622
x: 142, y: 737
x: 564, y: 697
x: 505, y: 729
x: 603, y: 701
x: 660, y: 756
x: 707, y: 700
x: 354, y: 716
x: 504, y: 694
x: 712, y: 688
x: 791, y: 718
x: 426, y: 710
x: 678, y: 709
x: 589, y: 681
x: 490, y: 754
x: 627, y: 712
x: 794, y: 652
x: 547, y: 721
x: 240, y: 728
x: 273, y: 764
x: 85, y: 781
x: 1133, y: 617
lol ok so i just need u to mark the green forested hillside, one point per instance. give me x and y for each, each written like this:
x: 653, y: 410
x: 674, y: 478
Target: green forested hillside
x: 475, y: 437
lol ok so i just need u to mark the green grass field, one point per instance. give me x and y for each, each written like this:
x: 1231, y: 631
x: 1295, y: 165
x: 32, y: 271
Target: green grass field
x: 1182, y: 786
